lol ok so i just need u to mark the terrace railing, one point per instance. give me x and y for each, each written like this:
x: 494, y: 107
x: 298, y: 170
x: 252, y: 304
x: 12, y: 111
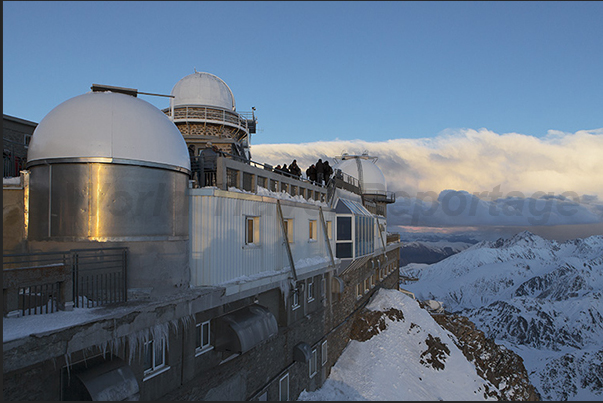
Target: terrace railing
x: 43, y: 282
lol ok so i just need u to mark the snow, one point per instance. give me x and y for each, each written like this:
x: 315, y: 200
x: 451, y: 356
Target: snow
x: 388, y: 366
x: 539, y: 298
x: 14, y: 181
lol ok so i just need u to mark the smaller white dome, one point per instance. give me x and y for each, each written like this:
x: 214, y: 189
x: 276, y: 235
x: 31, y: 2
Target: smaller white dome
x: 203, y: 89
x: 109, y: 125
x: 366, y: 171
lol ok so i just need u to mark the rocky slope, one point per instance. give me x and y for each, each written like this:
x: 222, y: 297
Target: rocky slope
x: 541, y: 298
x: 494, y: 363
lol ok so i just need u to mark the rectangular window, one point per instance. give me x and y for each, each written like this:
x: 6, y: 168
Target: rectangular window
x: 313, y: 364
x: 344, y: 228
x: 312, y: 230
x: 295, y: 303
x: 367, y: 285
x: 252, y: 230
x: 310, y: 290
x: 202, y: 337
x: 289, y: 228
x: 330, y: 229
x: 154, y: 356
x: 323, y: 287
x: 283, y: 388
x: 359, y: 290
x: 323, y: 352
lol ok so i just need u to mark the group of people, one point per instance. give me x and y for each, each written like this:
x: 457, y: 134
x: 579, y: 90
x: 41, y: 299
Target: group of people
x: 293, y: 169
x: 319, y: 172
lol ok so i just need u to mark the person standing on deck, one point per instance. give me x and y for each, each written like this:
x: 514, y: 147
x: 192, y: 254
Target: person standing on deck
x: 320, y: 173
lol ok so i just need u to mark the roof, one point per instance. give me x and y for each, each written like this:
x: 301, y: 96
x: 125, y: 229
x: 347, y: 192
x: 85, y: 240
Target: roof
x: 203, y: 89
x: 109, y: 125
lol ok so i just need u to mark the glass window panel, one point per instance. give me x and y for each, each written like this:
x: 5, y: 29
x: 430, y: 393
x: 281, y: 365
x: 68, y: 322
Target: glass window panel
x: 205, y: 338
x: 344, y: 228
x: 148, y: 356
x: 343, y: 250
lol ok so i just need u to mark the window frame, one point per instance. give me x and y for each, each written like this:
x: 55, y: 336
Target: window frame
x: 312, y: 230
x: 295, y: 302
x: 313, y: 364
x: 289, y: 228
x: 154, y: 369
x: 202, y: 347
x: 324, y: 353
x: 310, y: 290
x: 252, y: 235
x: 280, y: 388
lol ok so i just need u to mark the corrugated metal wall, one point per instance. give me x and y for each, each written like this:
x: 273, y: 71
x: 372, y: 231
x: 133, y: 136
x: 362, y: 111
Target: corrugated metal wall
x: 217, y: 236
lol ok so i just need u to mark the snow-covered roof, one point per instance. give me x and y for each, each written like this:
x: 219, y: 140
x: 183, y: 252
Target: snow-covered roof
x: 111, y: 125
x: 203, y: 89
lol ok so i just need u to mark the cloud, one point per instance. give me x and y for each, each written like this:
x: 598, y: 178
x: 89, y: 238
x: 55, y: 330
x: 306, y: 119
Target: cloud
x: 470, y: 160
x: 477, y: 178
x: 452, y: 208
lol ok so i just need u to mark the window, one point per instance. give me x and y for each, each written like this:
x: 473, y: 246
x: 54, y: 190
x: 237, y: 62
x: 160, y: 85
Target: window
x: 310, y: 290
x: 359, y: 290
x: 283, y: 388
x: 313, y: 364
x: 252, y: 230
x: 288, y: 222
x: 343, y: 248
x: 312, y: 230
x: 295, y: 303
x: 323, y: 352
x: 202, y: 337
x: 330, y: 229
x: 154, y: 356
x: 323, y: 287
x: 367, y: 284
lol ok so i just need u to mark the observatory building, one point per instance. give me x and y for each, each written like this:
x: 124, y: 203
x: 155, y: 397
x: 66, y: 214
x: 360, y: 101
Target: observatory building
x: 152, y: 258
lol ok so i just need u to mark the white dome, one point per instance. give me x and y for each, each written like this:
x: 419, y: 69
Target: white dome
x: 371, y: 178
x: 203, y: 89
x: 109, y: 125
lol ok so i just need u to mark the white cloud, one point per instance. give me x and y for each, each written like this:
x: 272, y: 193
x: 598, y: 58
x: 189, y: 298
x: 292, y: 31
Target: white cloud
x: 477, y: 178
x: 470, y: 160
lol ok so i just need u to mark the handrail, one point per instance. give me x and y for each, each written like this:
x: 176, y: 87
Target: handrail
x: 208, y: 114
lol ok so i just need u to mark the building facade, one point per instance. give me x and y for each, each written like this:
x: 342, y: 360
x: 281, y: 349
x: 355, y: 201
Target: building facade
x: 178, y: 267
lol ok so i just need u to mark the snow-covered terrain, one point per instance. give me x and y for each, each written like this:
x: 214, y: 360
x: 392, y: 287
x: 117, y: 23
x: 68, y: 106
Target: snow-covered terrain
x: 399, y: 363
x: 540, y: 298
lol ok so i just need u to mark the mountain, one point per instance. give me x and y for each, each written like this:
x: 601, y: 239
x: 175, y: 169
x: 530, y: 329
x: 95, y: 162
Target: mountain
x: 540, y: 298
x: 399, y: 352
x: 428, y: 251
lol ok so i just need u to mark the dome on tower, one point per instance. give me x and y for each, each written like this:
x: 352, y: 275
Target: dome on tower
x: 99, y: 125
x: 203, y: 89
x: 362, y: 167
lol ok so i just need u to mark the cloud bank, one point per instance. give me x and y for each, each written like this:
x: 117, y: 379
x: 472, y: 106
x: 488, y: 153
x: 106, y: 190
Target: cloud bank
x: 477, y: 177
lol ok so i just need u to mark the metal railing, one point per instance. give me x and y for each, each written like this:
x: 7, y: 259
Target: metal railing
x: 246, y: 175
x: 99, y: 276
x: 210, y: 115
x: 96, y: 277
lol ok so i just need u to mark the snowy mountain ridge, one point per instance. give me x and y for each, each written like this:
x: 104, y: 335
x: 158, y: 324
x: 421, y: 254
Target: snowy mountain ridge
x: 541, y: 298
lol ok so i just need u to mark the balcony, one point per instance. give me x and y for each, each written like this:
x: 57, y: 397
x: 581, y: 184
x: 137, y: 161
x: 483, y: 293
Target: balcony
x: 44, y: 282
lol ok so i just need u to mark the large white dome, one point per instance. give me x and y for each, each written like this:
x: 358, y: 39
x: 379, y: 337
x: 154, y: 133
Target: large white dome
x: 372, y: 180
x: 109, y: 125
x: 203, y: 89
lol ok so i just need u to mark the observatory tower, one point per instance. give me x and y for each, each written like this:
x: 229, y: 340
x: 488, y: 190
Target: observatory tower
x: 204, y: 110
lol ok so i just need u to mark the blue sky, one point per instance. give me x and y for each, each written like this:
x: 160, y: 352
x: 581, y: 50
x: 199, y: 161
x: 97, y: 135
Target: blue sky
x: 498, y: 99
x: 324, y: 70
